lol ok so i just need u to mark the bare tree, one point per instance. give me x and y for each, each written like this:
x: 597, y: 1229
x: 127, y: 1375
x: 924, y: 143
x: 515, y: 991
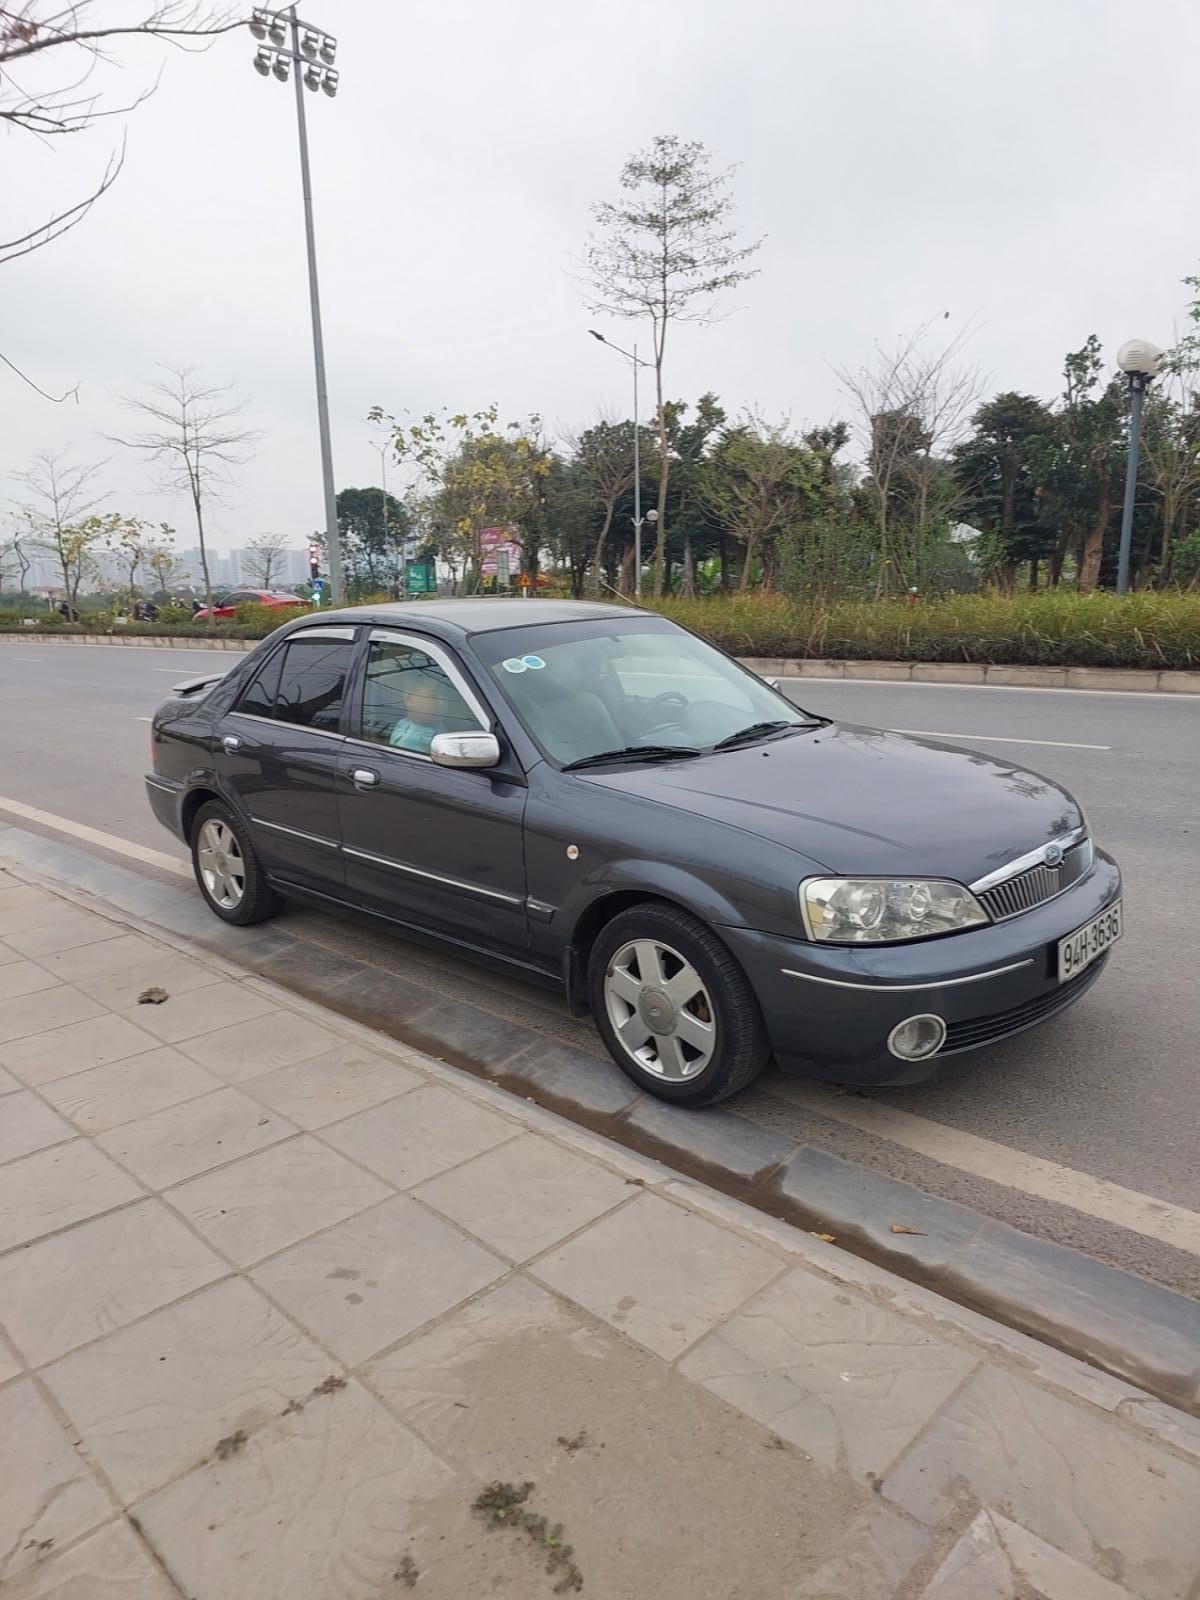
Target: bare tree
x: 663, y: 253
x: 912, y: 403
x: 264, y: 558
x: 65, y: 48
x: 59, y: 517
x: 195, y: 440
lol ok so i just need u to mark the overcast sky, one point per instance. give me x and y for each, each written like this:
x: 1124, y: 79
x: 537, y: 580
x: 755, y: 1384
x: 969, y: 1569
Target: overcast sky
x: 1031, y: 161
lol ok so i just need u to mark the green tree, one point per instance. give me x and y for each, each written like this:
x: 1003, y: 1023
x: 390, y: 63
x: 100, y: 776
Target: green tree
x: 128, y: 538
x: 760, y: 481
x: 375, y: 527
x: 1000, y: 468
x: 1086, y: 471
x: 169, y: 573
x: 479, y: 474
x: 662, y: 253
x: 600, y: 473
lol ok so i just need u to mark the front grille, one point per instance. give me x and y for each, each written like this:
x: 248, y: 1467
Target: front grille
x: 1036, y: 885
x: 982, y: 1030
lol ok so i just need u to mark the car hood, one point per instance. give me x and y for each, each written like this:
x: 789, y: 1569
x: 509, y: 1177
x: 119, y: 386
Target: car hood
x: 861, y: 801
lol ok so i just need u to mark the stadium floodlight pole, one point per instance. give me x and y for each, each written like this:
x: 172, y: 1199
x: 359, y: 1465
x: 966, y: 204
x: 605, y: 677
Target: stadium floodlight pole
x: 313, y: 51
x: 638, y: 519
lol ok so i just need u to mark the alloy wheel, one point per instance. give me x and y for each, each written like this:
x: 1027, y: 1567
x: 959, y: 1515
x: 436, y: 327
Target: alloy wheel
x: 222, y: 866
x: 660, y: 1010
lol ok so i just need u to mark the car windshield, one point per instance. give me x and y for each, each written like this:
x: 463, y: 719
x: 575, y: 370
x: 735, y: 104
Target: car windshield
x: 583, y: 689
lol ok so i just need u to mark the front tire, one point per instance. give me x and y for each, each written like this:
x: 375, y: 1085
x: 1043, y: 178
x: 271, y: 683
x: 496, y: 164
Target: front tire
x: 674, y: 1008
x: 228, y: 871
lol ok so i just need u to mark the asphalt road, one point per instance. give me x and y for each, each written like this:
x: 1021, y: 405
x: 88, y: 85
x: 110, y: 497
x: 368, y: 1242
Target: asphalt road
x: 1039, y: 1132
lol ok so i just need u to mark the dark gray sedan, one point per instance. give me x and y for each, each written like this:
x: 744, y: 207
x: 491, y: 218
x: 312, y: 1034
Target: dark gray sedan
x: 593, y: 798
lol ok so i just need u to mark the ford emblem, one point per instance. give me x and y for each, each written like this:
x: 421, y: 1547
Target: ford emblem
x: 1053, y: 855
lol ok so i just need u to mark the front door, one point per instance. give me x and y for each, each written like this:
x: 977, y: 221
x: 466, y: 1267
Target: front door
x: 278, y: 752
x: 437, y: 848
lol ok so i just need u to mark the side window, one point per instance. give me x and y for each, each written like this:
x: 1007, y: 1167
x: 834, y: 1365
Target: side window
x: 258, y: 698
x: 312, y: 679
x: 408, y: 696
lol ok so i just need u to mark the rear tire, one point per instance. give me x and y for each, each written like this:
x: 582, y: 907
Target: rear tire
x: 674, y: 1008
x: 228, y: 871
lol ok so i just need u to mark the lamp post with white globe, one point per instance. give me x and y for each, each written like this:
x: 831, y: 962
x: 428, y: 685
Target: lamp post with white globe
x: 1139, y: 360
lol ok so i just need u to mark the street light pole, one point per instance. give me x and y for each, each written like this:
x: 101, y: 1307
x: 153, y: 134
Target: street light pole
x: 313, y: 67
x: 1139, y: 360
x: 632, y: 357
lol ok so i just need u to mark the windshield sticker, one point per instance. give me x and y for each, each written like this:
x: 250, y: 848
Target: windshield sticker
x: 514, y: 664
x: 534, y: 663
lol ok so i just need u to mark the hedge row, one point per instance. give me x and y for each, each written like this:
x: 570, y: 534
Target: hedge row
x: 1063, y: 629
x: 1049, y: 629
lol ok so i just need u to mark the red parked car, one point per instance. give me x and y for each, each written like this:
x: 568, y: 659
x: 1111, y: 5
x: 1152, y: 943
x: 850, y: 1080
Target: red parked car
x: 225, y: 610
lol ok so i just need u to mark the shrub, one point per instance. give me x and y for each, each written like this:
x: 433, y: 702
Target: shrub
x: 1053, y: 628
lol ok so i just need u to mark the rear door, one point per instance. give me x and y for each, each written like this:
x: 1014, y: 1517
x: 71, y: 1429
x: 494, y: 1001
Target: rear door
x: 278, y: 752
x: 436, y: 847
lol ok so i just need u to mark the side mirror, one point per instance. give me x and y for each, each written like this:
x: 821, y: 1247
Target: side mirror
x: 772, y: 683
x: 465, y: 750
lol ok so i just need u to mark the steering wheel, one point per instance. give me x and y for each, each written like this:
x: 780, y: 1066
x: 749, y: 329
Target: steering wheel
x: 660, y: 703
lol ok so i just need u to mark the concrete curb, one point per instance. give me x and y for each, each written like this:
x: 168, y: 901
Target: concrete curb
x: 1133, y: 1330
x: 1126, y: 680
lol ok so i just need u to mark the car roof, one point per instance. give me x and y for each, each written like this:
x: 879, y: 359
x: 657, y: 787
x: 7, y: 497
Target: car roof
x: 458, y: 617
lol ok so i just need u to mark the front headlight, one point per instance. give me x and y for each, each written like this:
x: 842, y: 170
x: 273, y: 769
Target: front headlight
x: 876, y: 910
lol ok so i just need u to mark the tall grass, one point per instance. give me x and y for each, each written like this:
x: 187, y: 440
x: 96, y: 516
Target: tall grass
x: 1056, y: 628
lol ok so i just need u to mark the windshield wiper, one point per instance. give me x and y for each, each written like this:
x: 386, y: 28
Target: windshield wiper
x: 631, y: 752
x: 757, y: 730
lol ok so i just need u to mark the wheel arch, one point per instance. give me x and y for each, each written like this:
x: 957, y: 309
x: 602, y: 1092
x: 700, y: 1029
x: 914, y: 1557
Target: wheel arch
x: 592, y: 921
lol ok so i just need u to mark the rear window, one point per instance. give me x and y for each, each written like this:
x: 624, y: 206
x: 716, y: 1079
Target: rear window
x: 258, y: 698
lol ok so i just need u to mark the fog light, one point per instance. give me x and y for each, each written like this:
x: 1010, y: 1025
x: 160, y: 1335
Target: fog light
x: 917, y: 1037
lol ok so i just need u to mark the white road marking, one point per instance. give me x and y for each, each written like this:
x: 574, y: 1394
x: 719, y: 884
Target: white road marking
x: 143, y: 719
x: 106, y: 841
x: 995, y: 738
x: 1000, y: 1163
x: 991, y: 688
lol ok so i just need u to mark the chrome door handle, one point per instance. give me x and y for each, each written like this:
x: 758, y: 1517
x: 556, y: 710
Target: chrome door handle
x: 364, y: 778
x: 231, y: 742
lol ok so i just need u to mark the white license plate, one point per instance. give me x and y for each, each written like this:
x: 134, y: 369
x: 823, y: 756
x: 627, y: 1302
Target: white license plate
x: 1088, y: 944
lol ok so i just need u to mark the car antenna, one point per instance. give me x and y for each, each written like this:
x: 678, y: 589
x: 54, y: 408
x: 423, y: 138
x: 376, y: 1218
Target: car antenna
x: 623, y: 598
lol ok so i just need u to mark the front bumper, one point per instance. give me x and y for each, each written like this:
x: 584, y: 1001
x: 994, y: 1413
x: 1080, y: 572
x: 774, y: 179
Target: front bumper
x: 829, y: 1009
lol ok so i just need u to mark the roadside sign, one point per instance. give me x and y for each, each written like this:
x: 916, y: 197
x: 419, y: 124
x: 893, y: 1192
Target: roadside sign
x: 526, y: 585
x: 420, y: 578
x: 503, y: 575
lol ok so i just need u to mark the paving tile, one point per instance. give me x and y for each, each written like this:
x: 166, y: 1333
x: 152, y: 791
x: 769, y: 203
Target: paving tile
x: 28, y: 1124
x: 38, y: 1013
x: 199, y: 1010
x: 56, y: 1187
x: 61, y: 1051
x: 427, y: 1381
x: 9, y: 1365
x: 63, y: 930
x: 8, y: 1084
x: 879, y: 1549
x: 105, y: 1097
x: 658, y: 1273
x: 188, y: 1139
x: 23, y: 906
x: 997, y: 1560
x: 1105, y: 1496
x: 98, y: 960
x: 177, y: 974
x: 334, y: 1085
x: 8, y: 954
x: 525, y: 1196
x: 845, y: 1380
x: 319, y: 1506
x: 85, y: 1282
x: 24, y: 977
x: 273, y: 1199
x: 53, y: 1495
x: 112, y: 1564
x: 366, y: 1283
x: 156, y: 1398
x: 260, y: 1044
x: 420, y: 1135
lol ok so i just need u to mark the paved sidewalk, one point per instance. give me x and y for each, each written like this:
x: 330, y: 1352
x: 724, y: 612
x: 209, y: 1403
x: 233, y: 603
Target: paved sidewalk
x: 281, y: 1301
